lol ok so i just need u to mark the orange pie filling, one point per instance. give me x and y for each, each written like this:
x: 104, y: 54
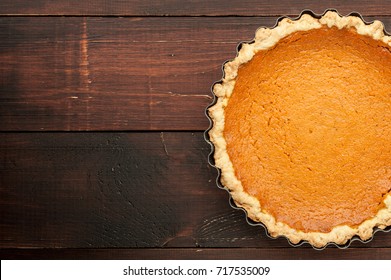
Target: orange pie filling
x: 308, y: 128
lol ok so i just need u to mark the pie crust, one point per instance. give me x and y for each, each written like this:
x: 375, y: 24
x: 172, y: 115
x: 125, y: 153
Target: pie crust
x: 266, y: 39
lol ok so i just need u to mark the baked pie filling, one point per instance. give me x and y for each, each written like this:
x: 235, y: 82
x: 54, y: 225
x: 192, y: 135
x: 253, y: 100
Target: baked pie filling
x: 302, y: 128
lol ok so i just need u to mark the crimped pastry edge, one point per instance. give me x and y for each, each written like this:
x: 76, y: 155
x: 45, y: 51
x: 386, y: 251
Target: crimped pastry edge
x: 266, y: 38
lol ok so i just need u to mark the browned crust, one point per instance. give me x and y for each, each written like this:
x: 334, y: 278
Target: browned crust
x: 266, y: 38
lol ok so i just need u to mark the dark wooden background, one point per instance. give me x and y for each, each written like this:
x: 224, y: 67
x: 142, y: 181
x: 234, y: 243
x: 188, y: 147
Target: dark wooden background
x: 102, y: 152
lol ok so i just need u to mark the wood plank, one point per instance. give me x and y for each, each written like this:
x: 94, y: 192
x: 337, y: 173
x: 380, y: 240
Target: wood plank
x: 111, y: 73
x: 192, y: 7
x: 127, y: 190
x: 201, y: 253
x: 94, y: 74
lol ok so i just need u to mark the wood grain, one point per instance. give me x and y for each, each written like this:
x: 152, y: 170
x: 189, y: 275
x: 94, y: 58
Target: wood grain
x: 99, y: 74
x: 190, y: 8
x: 120, y: 190
x: 200, y: 253
x: 112, y: 190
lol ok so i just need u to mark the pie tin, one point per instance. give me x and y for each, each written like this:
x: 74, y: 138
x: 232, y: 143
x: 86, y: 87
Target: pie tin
x: 211, y: 154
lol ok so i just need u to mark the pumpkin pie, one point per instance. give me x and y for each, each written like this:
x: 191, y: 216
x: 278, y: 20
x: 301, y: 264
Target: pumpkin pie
x: 302, y: 128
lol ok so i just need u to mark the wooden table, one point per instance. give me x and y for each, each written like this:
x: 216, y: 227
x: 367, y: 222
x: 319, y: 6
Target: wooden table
x: 102, y: 120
